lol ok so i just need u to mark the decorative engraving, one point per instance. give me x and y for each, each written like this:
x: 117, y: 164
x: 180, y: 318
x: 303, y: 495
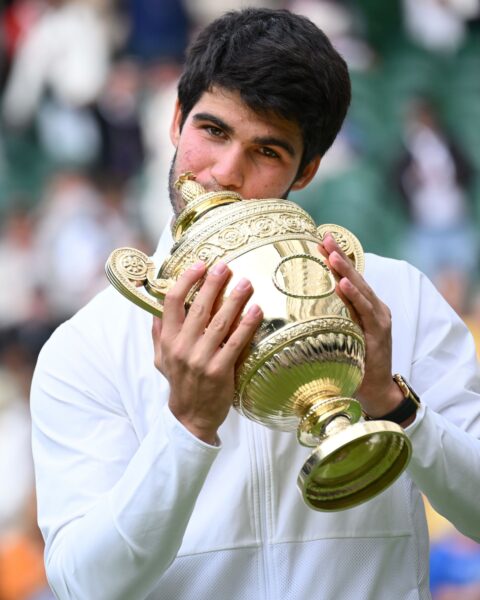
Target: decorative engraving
x: 209, y: 253
x: 293, y: 223
x: 250, y: 219
x: 128, y: 270
x: 348, y: 243
x: 307, y: 358
x: 288, y: 334
x: 264, y: 227
x: 233, y: 237
x: 134, y: 265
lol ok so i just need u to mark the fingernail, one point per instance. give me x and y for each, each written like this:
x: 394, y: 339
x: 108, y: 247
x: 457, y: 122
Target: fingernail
x: 335, y: 243
x: 254, y: 311
x: 219, y: 268
x: 243, y: 284
x: 198, y: 266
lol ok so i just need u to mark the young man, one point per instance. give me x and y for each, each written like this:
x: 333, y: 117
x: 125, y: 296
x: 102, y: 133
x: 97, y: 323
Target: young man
x: 149, y: 486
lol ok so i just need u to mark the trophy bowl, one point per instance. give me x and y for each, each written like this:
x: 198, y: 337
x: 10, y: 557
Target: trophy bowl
x: 306, y: 360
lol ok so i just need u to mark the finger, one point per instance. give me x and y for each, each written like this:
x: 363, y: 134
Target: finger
x: 156, y: 333
x: 221, y: 324
x: 174, y: 302
x: 351, y: 309
x: 323, y: 250
x: 330, y: 245
x: 370, y: 316
x: 326, y: 256
x: 210, y: 295
x: 221, y: 296
x: 241, y: 336
x: 344, y: 267
x: 156, y: 329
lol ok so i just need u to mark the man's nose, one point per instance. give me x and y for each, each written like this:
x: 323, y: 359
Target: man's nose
x: 229, y: 168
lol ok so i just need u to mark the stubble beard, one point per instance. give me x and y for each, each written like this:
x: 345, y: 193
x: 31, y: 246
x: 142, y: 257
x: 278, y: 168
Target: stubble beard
x: 174, y: 194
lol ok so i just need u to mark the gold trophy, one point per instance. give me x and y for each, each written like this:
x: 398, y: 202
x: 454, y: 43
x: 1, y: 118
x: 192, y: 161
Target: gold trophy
x: 306, y: 360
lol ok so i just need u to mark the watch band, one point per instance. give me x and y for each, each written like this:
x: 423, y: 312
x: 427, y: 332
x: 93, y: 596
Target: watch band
x: 408, y: 407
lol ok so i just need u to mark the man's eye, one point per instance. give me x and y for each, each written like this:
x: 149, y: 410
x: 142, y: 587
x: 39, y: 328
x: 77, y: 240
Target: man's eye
x: 214, y: 131
x: 269, y: 152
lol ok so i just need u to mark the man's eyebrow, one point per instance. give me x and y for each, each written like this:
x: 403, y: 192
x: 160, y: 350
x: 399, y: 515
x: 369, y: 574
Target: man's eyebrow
x: 203, y: 116
x: 274, y: 141
x: 261, y: 141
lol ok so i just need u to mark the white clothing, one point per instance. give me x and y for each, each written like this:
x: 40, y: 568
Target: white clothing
x: 68, y: 50
x: 133, y: 506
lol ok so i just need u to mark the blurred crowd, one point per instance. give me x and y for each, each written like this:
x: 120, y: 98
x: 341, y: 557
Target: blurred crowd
x: 86, y: 94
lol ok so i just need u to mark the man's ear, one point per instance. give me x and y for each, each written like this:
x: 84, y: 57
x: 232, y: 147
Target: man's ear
x: 307, y: 174
x: 175, y: 125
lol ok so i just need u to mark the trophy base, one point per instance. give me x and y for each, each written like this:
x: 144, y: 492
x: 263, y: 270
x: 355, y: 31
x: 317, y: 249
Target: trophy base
x: 354, y: 465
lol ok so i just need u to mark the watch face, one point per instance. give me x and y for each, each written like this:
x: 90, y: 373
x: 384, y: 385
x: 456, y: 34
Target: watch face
x: 406, y: 389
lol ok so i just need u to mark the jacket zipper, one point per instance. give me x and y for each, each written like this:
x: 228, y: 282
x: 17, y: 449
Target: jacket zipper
x: 262, y: 507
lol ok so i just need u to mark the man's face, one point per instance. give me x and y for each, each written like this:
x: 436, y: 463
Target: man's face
x: 228, y: 146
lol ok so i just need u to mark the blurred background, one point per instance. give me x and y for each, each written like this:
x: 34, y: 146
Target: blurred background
x: 86, y: 96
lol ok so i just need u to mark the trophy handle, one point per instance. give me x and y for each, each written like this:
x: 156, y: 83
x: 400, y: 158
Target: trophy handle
x: 128, y: 270
x: 347, y: 241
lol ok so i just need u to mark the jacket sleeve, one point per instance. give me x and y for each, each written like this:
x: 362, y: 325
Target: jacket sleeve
x: 445, y: 435
x: 113, y: 505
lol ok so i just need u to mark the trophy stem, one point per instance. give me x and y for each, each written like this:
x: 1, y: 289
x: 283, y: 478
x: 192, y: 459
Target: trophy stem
x: 323, y: 412
x: 352, y: 460
x: 336, y: 425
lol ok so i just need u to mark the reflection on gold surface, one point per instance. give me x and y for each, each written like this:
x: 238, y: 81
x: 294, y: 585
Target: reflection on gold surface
x: 306, y: 360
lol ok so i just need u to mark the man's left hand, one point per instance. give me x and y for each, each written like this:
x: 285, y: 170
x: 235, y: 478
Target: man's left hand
x: 378, y: 393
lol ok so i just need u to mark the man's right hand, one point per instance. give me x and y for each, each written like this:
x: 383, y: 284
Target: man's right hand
x: 197, y: 351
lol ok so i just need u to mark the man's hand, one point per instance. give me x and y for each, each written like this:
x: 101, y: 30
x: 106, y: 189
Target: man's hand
x: 197, y: 351
x: 378, y: 394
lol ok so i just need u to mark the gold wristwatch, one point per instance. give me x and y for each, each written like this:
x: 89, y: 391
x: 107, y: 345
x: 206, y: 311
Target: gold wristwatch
x: 408, y: 407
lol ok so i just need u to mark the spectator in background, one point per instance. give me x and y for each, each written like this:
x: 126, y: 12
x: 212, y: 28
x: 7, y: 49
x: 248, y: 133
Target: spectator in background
x: 434, y: 176
x: 158, y: 35
x: 16, y: 470
x: 58, y: 70
x: 118, y: 115
x: 158, y: 30
x: 78, y: 227
x: 17, y: 297
x: 16, y: 19
x: 22, y: 575
x: 338, y: 22
x: 160, y: 93
x: 66, y: 52
x: 438, y: 25
x: 206, y: 11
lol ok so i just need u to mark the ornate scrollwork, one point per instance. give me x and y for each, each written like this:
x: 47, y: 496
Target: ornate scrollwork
x: 348, y: 243
x: 128, y: 270
x: 233, y: 237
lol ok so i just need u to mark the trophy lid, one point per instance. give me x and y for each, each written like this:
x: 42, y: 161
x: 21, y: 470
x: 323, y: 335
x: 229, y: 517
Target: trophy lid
x: 198, y: 202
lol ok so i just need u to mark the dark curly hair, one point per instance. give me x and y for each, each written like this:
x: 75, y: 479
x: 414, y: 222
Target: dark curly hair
x: 279, y: 62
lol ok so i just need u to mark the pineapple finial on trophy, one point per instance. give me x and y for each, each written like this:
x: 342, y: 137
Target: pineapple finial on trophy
x: 198, y: 201
x: 189, y: 188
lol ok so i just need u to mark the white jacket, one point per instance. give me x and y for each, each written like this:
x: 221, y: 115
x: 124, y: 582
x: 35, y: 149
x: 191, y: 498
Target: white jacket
x: 132, y: 506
